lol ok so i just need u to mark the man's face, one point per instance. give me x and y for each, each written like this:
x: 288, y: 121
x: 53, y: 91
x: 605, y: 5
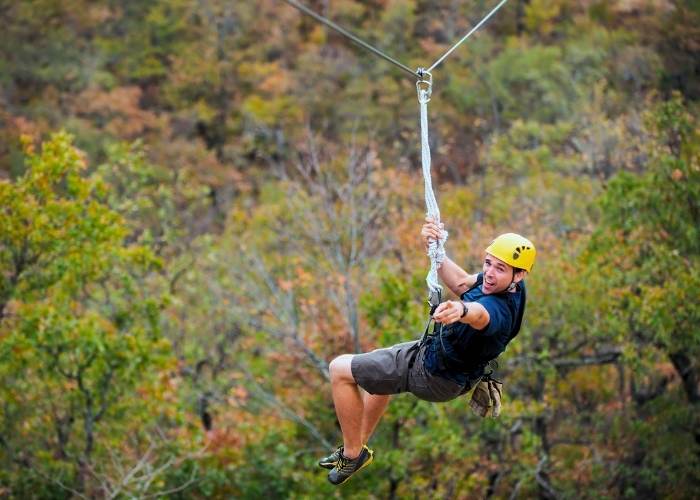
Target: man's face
x: 497, y: 275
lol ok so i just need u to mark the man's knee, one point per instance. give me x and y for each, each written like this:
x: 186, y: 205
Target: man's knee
x: 340, y: 368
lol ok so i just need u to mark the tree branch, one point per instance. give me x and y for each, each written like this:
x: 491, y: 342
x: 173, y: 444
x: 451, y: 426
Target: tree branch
x: 543, y: 482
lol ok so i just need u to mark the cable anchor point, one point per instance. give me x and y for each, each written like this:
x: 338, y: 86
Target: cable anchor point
x: 424, y: 85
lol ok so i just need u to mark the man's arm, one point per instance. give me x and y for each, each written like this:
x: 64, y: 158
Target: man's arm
x: 456, y: 278
x: 452, y: 311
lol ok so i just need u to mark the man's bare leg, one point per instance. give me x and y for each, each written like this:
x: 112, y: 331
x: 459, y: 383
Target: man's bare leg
x: 349, y: 406
x: 374, y: 407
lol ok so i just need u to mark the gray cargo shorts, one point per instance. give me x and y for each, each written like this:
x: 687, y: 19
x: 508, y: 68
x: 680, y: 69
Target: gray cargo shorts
x: 398, y: 369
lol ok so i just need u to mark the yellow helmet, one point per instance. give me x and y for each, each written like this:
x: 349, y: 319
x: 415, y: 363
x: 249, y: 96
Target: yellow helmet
x: 514, y: 250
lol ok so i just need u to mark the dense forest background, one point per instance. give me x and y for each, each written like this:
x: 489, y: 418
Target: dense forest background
x: 203, y: 202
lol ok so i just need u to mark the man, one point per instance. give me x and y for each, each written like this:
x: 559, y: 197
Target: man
x: 472, y: 331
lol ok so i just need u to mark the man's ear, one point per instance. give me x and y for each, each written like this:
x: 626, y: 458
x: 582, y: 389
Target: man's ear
x: 519, y: 275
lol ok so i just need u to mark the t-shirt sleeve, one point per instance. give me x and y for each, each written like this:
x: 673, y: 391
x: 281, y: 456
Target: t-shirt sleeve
x: 500, y: 316
x: 477, y: 283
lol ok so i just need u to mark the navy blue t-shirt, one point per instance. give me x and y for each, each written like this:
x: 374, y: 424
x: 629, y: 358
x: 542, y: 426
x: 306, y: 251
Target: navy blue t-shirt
x: 471, y: 348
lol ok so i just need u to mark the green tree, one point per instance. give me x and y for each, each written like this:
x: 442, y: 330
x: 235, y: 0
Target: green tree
x: 79, y: 332
x: 649, y: 241
x: 648, y: 249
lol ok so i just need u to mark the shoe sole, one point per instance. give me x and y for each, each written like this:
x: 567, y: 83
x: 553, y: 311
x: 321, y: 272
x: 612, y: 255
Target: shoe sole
x: 371, y: 458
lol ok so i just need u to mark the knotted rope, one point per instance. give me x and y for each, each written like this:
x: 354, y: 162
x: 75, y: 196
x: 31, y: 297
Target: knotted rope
x: 436, y: 249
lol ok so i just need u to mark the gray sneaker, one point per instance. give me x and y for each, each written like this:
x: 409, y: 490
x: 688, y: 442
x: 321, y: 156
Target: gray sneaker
x: 332, y: 459
x: 346, y: 467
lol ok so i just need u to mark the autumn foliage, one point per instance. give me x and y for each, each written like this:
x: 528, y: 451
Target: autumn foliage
x: 203, y: 203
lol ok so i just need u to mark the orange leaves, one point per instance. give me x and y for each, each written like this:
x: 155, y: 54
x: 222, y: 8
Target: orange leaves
x: 431, y: 48
x: 304, y: 277
x: 118, y: 110
x: 28, y: 133
x: 218, y: 439
x: 677, y: 175
x: 285, y: 285
x: 277, y: 82
x: 240, y: 394
x: 259, y: 72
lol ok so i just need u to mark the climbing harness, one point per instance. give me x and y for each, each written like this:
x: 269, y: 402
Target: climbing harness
x: 424, y: 88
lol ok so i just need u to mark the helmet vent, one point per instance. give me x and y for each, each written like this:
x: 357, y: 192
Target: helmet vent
x: 516, y: 254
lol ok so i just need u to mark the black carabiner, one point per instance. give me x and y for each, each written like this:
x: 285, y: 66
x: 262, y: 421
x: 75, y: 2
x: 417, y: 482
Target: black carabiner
x: 434, y: 300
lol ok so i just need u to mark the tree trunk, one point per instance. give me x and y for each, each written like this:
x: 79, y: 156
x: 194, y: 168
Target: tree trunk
x: 688, y: 372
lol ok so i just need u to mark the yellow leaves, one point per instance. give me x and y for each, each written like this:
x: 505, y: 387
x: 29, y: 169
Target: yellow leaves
x: 540, y: 15
x: 589, y: 388
x: 195, y: 67
x: 141, y: 256
x: 258, y: 71
x: 524, y: 407
x: 204, y: 110
x: 27, y: 142
x: 272, y: 103
x: 457, y: 203
x: 317, y: 35
x: 270, y: 111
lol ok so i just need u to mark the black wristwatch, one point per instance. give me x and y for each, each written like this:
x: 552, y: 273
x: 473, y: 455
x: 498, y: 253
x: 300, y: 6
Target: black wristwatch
x: 465, y: 310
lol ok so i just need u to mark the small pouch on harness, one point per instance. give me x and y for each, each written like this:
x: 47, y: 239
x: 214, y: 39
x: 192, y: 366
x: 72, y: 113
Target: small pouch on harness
x: 486, y: 397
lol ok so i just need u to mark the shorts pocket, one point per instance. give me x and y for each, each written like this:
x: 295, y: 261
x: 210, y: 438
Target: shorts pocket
x: 431, y: 387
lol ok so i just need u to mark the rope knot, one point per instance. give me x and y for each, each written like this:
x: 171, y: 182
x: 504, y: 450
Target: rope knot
x: 437, y: 254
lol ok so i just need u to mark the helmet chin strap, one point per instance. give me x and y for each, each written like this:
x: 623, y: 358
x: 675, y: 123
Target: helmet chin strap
x: 512, y: 286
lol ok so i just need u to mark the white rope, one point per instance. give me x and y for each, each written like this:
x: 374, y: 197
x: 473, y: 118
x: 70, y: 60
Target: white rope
x: 436, y: 249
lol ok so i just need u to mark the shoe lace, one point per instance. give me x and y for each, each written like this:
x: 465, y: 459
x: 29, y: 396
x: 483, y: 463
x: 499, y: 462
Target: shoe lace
x: 344, y: 464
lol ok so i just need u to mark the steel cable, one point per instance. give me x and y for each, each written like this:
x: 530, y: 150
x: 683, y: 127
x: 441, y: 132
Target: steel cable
x: 378, y: 52
x: 352, y: 37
